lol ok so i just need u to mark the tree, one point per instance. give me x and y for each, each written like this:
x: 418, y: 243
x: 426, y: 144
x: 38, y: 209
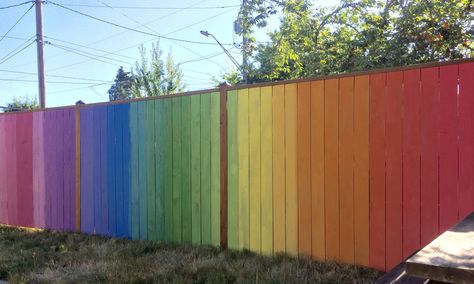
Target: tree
x: 19, y: 104
x: 232, y: 77
x: 122, y: 87
x: 358, y: 35
x: 151, y: 78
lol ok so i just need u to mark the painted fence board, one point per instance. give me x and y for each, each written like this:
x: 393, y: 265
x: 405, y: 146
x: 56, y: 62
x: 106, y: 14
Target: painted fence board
x: 331, y: 174
x: 112, y: 166
x: 150, y: 169
x: 448, y: 147
x: 361, y: 170
x: 255, y: 170
x: 411, y: 161
x: 346, y: 169
x: 24, y: 176
x: 232, y: 170
x: 318, y: 232
x: 266, y: 170
x: 279, y: 192
x: 393, y: 200
x: 186, y: 168
x: 304, y: 167
x: 377, y: 170
x: 168, y: 165
x: 134, y: 186
x: 160, y: 170
x: 177, y: 173
x: 205, y: 169
x: 215, y: 168
x: 196, y: 168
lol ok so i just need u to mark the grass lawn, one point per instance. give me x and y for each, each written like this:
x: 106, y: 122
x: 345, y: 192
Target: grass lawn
x: 44, y: 256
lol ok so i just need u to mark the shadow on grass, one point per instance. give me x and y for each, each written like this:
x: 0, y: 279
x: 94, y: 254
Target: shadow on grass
x: 46, y: 256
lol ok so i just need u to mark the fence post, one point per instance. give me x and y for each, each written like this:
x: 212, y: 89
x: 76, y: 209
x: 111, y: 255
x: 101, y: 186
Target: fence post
x: 78, y: 166
x: 223, y: 149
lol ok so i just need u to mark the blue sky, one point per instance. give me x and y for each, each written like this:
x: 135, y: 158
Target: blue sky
x: 62, y: 27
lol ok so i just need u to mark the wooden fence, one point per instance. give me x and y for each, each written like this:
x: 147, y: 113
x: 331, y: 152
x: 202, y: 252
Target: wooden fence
x: 359, y: 168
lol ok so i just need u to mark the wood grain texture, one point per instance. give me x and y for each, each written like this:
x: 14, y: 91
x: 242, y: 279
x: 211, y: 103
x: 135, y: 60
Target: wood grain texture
x: 448, y: 147
x: 134, y: 185
x: 291, y: 181
x: 255, y: 170
x: 196, y: 168
x: 150, y: 170
x: 279, y: 189
x: 361, y: 170
x: 168, y: 166
x: 232, y: 171
x: 111, y: 172
x: 186, y: 168
x: 24, y: 151
x: 266, y: 169
x: 346, y: 169
x: 159, y: 169
x: 142, y: 172
x: 243, y: 162
x: 394, y: 205
x: 206, y: 169
x: 466, y: 159
x: 331, y: 174
x: 411, y: 161
x: 3, y: 172
x: 429, y: 154
x: 87, y: 209
x: 377, y: 171
x: 177, y: 172
x: 215, y: 168
x: 304, y: 167
x: 318, y: 232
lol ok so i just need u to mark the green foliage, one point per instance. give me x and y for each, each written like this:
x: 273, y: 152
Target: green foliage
x: 122, y: 87
x: 358, y: 35
x: 152, y: 78
x: 19, y: 104
x: 233, y: 77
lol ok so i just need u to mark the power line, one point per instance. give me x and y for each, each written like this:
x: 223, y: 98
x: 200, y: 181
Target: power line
x: 16, y: 5
x: 77, y: 89
x: 17, y: 48
x: 18, y: 21
x: 51, y: 82
x: 53, y: 76
x: 16, y: 53
x: 87, y: 54
x: 131, y: 29
x: 150, y: 7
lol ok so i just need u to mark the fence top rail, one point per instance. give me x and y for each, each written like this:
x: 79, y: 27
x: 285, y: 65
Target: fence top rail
x: 259, y: 85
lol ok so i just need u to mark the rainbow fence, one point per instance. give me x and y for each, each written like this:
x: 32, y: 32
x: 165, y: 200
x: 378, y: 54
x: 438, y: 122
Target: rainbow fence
x: 359, y: 168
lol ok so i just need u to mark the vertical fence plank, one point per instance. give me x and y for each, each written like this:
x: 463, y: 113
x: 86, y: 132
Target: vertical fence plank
x: 104, y: 221
x: 393, y: 133
x: 120, y: 197
x: 279, y: 195
x: 232, y: 171
x: 177, y: 174
x: 411, y: 161
x: 186, y: 168
x: 69, y: 169
x: 346, y: 169
x: 291, y: 170
x: 361, y: 170
x: 24, y: 176
x: 142, y: 171
x: 206, y: 168
x: 111, y: 170
x: 159, y: 168
x: 196, y: 168
x: 77, y: 118
x: 134, y: 187
x: 150, y: 169
x: 266, y: 170
x: 126, y: 171
x: 38, y: 170
x: 96, y: 119
x: 215, y: 168
x: 318, y: 242
x: 168, y: 165
x: 331, y: 122
x: 87, y: 201
x: 466, y: 159
x: 429, y: 154
x: 254, y: 170
x: 3, y: 169
x: 377, y: 170
x: 448, y: 147
x: 243, y: 162
x: 304, y: 167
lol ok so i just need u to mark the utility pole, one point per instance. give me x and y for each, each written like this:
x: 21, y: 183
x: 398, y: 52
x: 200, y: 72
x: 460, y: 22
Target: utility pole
x: 245, y: 16
x: 40, y: 52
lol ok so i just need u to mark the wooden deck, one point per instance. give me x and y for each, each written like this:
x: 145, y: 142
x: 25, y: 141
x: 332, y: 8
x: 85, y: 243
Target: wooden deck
x: 449, y: 258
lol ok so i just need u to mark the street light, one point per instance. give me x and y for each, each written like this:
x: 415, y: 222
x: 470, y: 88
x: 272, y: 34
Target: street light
x: 207, y: 34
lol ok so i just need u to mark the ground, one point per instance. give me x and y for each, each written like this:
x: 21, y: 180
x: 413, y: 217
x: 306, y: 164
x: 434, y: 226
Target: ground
x: 43, y: 256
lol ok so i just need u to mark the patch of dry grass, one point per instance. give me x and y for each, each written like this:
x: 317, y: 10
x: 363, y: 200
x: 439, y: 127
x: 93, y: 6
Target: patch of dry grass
x: 52, y: 257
